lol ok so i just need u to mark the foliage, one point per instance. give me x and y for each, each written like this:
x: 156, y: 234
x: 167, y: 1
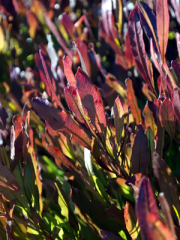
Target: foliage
x: 90, y: 120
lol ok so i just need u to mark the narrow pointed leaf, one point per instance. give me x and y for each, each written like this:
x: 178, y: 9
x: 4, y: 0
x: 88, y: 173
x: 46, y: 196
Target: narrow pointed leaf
x: 140, y: 152
x: 58, y: 37
x: 50, y: 79
x: 162, y: 14
x: 120, y: 15
x: 148, y: 21
x: 91, y: 101
x: 61, y: 160
x: 154, y: 107
x: 151, y: 143
x: 138, y: 47
x: 60, y: 121
x: 166, y: 213
x: 128, y: 53
x: 10, y: 189
x: 178, y: 43
x: 120, y: 186
x: 68, y: 24
x: 136, y: 112
x: 176, y: 68
x: 62, y: 202
x: 176, y: 103
x: 131, y: 221
x: 68, y: 71
x: 72, y: 100
x: 106, y: 4
x: 149, y: 119
x: 166, y: 182
x: 118, y: 118
x: 145, y: 204
x: 118, y: 86
x: 161, y: 231
x: 82, y: 50
x: 37, y: 176
x: 167, y: 117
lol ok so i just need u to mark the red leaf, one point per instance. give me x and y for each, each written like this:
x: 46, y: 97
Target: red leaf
x: 60, y: 159
x: 68, y: 71
x: 145, y: 204
x: 160, y: 230
x: 128, y: 53
x: 84, y: 58
x: 60, y: 121
x: 41, y: 72
x: 162, y: 14
x: 140, y: 152
x: 72, y: 101
x: 53, y: 29
x: 132, y: 102
x: 68, y: 24
x: 46, y: 75
x: 166, y: 213
x: 118, y: 118
x: 167, y: 117
x: 166, y: 183
x: 108, y: 38
x: 91, y: 101
x: 176, y: 103
x: 138, y: 47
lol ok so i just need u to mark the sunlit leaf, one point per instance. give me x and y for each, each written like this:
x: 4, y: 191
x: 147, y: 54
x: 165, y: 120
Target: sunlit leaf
x: 118, y: 118
x: 91, y: 101
x: 59, y: 120
x: 10, y: 189
x: 162, y: 14
x: 68, y: 24
x: 138, y: 47
x: 72, y: 100
x: 167, y: 117
x: 131, y: 221
x: 161, y: 230
x: 136, y: 112
x: 33, y: 23
x: 148, y: 21
x: 67, y: 62
x: 61, y: 160
x: 149, y: 119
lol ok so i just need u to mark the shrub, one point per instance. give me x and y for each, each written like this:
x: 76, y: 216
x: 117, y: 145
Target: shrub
x: 89, y: 154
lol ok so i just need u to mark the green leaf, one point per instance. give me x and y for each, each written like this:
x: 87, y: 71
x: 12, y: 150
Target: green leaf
x: 100, y: 188
x: 118, y: 118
